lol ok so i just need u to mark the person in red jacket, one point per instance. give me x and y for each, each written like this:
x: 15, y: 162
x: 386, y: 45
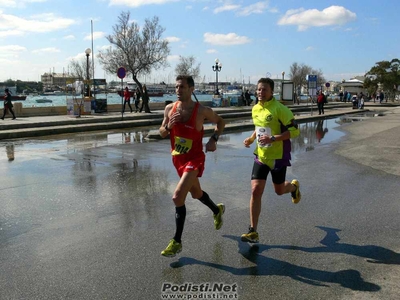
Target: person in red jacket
x: 320, y: 102
x: 127, y: 99
x: 183, y: 121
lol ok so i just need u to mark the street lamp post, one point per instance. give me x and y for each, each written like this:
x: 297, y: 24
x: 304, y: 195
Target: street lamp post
x: 283, y: 79
x: 216, y: 68
x: 87, y: 52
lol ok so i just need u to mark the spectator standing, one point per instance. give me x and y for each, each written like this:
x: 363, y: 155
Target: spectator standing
x: 247, y: 98
x: 137, y: 99
x: 321, y: 102
x: 381, y: 97
x: 145, y: 100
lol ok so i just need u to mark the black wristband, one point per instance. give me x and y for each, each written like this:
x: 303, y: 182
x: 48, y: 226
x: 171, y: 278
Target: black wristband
x: 166, y: 128
x: 215, y: 137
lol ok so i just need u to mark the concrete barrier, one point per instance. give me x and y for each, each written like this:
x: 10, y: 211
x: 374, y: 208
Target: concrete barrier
x: 21, y: 111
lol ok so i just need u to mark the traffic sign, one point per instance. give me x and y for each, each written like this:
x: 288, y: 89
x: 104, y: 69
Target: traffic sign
x: 327, y: 84
x: 121, y: 72
x: 312, y: 81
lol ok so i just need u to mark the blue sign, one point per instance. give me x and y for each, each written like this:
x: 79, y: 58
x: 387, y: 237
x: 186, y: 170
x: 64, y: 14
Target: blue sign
x: 121, y: 72
x: 312, y: 81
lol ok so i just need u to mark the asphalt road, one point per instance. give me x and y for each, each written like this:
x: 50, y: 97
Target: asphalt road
x: 85, y: 217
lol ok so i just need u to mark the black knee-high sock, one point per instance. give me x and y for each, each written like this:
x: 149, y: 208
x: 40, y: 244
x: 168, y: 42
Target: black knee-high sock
x: 180, y: 216
x: 205, y: 199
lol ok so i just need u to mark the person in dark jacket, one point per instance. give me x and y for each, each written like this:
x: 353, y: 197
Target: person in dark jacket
x: 8, y: 106
x: 137, y: 99
x: 145, y: 100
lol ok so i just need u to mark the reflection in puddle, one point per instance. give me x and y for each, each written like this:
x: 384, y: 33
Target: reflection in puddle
x: 311, y: 134
x: 318, y: 132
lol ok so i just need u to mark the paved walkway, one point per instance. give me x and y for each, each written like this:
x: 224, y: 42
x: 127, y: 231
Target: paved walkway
x: 60, y: 124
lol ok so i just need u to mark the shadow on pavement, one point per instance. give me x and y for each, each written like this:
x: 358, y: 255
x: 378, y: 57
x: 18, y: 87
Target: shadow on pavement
x: 265, y: 266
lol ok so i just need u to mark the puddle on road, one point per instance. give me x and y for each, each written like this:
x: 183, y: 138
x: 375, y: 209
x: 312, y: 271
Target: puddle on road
x: 311, y: 134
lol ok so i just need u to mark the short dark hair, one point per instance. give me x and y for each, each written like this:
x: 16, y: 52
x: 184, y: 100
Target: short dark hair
x: 188, y: 78
x: 268, y: 81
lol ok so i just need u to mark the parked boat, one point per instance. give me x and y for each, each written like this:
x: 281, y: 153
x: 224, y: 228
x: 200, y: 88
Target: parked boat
x: 44, y: 100
x: 14, y: 96
x: 233, y: 90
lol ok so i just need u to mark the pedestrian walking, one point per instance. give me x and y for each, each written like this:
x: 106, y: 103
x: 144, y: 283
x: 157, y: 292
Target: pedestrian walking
x: 8, y: 106
x: 183, y: 121
x: 127, y: 99
x: 274, y: 127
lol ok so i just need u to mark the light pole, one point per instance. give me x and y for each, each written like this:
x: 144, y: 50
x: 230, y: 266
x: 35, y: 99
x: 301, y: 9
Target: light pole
x: 283, y: 79
x: 87, y: 52
x: 217, y: 68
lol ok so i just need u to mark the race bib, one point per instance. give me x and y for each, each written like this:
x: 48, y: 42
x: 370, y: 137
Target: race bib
x: 182, y: 145
x: 260, y: 131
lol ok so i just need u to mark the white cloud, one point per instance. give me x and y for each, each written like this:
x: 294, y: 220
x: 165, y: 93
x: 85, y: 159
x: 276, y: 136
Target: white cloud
x: 303, y: 19
x: 96, y: 35
x: 227, y: 7
x: 11, y: 50
x: 18, y: 3
x: 69, y: 37
x: 11, y: 33
x: 225, y: 39
x: 173, y: 58
x: 172, y: 39
x: 46, y: 50
x: 256, y: 8
x: 210, y: 51
x: 309, y: 48
x: 14, y: 25
x: 137, y: 3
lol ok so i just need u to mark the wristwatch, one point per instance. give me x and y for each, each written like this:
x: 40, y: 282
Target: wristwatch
x: 166, y: 128
x: 215, y: 136
x: 272, y: 138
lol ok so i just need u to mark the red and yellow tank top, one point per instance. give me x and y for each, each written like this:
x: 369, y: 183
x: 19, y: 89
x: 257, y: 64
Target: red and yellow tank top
x: 185, y: 138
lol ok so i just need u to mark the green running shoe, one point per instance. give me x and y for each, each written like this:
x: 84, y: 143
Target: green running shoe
x: 250, y: 237
x: 218, y: 217
x: 172, y: 249
x: 296, y: 195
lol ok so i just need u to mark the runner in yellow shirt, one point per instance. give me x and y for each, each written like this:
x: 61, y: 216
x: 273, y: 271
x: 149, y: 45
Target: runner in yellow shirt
x: 274, y: 127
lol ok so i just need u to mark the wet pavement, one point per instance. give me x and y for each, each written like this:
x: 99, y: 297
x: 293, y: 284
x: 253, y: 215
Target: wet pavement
x: 85, y: 216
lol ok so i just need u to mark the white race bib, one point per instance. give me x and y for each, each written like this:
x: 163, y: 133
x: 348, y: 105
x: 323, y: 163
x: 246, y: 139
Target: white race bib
x: 260, y: 131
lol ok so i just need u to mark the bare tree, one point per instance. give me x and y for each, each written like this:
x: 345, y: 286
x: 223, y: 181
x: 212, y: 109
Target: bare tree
x: 79, y: 68
x: 299, y: 72
x: 186, y: 66
x: 138, y: 51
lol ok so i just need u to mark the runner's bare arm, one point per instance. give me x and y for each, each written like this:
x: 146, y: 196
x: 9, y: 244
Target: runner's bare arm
x: 248, y: 141
x: 165, y: 129
x: 213, y: 117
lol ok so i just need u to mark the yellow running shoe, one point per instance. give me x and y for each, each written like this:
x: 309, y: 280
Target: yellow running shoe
x: 172, y: 249
x: 296, y: 195
x: 218, y: 217
x: 250, y: 237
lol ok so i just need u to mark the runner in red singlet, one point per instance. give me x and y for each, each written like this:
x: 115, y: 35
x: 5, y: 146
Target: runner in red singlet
x: 183, y: 121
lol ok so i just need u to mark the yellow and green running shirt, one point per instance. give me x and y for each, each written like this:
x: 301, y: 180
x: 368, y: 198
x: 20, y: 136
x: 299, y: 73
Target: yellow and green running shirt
x: 273, y: 118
